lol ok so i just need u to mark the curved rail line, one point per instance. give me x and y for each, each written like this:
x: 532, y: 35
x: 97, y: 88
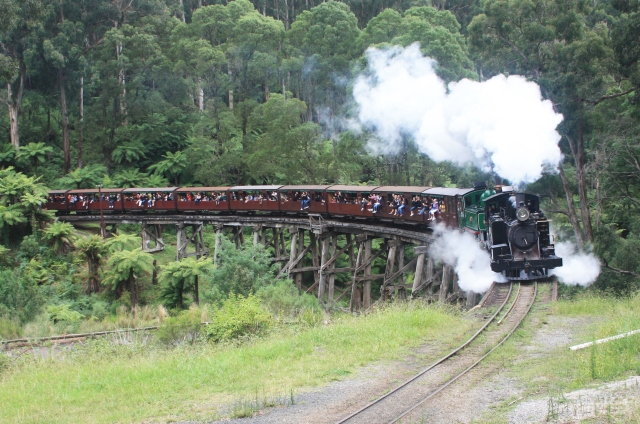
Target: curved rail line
x: 432, y: 366
x: 528, y: 305
x: 409, y: 233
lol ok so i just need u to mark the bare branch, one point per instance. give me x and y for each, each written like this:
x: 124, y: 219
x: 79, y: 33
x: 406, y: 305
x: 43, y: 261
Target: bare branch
x: 611, y: 96
x: 562, y: 211
x: 517, y: 50
x: 619, y: 271
x: 91, y: 47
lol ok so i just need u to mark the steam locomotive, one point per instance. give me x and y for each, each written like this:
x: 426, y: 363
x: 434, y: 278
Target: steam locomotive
x: 515, y: 232
x: 509, y: 225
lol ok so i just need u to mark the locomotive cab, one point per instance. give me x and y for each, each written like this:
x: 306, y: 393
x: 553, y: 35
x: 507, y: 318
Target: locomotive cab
x: 518, y: 237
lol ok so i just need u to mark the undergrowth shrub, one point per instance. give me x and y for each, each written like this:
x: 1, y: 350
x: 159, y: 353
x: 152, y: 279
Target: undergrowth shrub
x: 239, y: 316
x: 9, y: 329
x: 20, y: 295
x: 282, y: 299
x: 186, y: 327
x: 241, y: 270
x: 4, y: 362
x: 63, y: 312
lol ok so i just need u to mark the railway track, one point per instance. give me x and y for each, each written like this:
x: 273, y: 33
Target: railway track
x: 406, y: 401
x: 65, y: 338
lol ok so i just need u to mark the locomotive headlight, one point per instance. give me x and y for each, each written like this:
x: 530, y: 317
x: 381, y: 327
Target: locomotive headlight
x: 522, y: 214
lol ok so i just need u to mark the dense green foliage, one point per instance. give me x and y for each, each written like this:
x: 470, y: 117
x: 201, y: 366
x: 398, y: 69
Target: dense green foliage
x: 239, y: 316
x: 240, y: 270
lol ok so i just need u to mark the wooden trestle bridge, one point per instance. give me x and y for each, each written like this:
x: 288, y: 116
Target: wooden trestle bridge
x: 405, y: 250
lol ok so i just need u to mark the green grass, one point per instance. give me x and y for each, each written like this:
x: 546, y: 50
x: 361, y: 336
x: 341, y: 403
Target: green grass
x: 560, y: 370
x: 103, y: 383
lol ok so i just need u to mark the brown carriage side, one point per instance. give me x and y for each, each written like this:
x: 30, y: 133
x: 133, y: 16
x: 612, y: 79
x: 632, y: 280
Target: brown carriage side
x: 57, y: 200
x: 186, y: 199
x: 346, y: 200
x: 131, y: 200
x: 407, y: 192
x: 449, y: 200
x: 254, y: 198
x: 289, y: 202
x: 91, y: 201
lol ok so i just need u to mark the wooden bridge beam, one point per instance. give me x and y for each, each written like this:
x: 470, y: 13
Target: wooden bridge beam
x: 298, y: 275
x: 444, y: 285
x: 256, y: 234
x: 322, y: 274
x: 184, y: 241
x: 366, y: 286
x: 152, y: 233
x: 219, y: 233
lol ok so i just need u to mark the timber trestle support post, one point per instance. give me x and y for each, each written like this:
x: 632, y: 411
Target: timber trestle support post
x: 152, y: 234
x: 315, y: 252
x: 196, y: 239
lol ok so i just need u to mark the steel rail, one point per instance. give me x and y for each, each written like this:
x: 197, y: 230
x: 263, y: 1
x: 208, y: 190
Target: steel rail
x: 448, y: 383
x: 515, y: 301
x: 38, y: 340
x: 430, y: 367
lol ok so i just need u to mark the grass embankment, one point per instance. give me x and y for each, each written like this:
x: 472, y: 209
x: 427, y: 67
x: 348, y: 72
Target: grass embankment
x: 603, y: 317
x: 548, y: 368
x: 107, y: 383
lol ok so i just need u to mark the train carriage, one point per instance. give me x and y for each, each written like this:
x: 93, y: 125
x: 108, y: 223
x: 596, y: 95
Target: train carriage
x: 57, y: 201
x: 408, y: 193
x: 150, y: 199
x: 346, y: 200
x: 206, y: 199
x: 450, y: 204
x: 257, y: 198
x: 291, y: 198
x: 93, y: 200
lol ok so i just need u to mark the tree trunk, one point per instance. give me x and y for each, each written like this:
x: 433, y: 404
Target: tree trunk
x: 286, y: 15
x: 230, y: 72
x: 182, y: 11
x: 200, y: 95
x: 122, y: 81
x: 132, y: 290
x: 66, y: 142
x: 599, y: 201
x: 14, y: 108
x: 196, y: 291
x: 577, y: 148
x: 13, y: 119
x: 80, y: 121
x: 154, y: 275
x: 94, y: 287
x: 293, y: 11
x: 573, y: 217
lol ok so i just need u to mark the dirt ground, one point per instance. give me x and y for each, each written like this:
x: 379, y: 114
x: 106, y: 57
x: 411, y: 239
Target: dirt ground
x: 487, y: 395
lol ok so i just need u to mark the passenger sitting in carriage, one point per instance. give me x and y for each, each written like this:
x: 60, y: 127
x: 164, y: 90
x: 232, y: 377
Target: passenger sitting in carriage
x: 435, y: 209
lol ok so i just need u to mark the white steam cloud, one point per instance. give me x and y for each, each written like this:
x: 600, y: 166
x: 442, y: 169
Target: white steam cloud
x: 490, y: 124
x: 471, y: 263
x: 578, y: 268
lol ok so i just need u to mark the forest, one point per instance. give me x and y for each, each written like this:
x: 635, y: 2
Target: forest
x: 126, y: 93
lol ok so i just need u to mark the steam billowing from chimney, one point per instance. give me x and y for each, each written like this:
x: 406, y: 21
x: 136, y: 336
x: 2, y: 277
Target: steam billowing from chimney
x: 501, y: 124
